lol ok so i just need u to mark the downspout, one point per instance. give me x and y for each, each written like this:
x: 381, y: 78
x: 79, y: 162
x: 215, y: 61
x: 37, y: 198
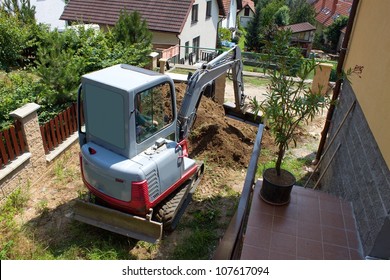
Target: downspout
x: 219, y: 25
x: 336, y: 90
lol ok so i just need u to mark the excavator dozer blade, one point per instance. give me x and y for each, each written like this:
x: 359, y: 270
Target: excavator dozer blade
x: 118, y: 222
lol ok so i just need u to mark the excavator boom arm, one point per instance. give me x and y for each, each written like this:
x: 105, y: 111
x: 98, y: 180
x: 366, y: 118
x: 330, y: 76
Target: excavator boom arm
x: 229, y: 60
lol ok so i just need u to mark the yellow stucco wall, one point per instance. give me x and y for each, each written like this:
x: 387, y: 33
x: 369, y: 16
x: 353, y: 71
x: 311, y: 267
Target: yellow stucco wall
x: 370, y: 47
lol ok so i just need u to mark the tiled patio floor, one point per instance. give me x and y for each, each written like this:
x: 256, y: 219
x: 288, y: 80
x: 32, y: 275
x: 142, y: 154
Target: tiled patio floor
x: 313, y: 226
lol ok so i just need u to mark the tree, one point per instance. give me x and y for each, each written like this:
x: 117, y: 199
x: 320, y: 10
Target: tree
x: 282, y: 16
x: 269, y: 11
x: 21, y: 9
x: 288, y: 102
x: 59, y: 68
x: 131, y: 29
x: 252, y: 36
x: 333, y: 31
x: 301, y: 11
x: 13, y: 37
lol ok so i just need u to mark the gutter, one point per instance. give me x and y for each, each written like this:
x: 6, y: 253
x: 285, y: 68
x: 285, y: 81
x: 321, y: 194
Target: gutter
x: 336, y: 90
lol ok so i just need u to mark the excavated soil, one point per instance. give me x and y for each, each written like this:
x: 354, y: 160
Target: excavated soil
x: 216, y: 138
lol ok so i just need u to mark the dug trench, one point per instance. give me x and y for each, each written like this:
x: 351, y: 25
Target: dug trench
x: 223, y: 144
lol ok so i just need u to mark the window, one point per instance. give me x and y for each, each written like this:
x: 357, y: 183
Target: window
x: 153, y: 111
x: 187, y: 49
x: 194, y: 15
x: 208, y: 9
x: 195, y: 45
x: 110, y: 126
x: 246, y: 11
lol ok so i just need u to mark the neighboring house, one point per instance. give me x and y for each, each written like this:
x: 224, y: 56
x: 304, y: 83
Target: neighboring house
x: 329, y: 10
x: 246, y: 13
x: 302, y: 36
x: 229, y: 18
x: 48, y: 12
x: 359, y: 171
x: 179, y: 27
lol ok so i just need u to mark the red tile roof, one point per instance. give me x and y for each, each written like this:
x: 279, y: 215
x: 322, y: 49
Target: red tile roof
x: 328, y: 10
x: 166, y: 16
x: 300, y: 27
x: 226, y: 5
x: 249, y: 3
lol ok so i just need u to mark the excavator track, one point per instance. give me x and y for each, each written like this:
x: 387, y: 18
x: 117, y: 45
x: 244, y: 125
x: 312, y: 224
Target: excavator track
x: 170, y: 212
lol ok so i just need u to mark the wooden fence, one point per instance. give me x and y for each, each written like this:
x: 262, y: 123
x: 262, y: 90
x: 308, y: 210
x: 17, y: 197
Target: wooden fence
x: 12, y: 144
x: 55, y: 131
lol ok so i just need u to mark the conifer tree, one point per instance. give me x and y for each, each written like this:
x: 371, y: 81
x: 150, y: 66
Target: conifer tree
x: 253, y: 34
x: 131, y: 29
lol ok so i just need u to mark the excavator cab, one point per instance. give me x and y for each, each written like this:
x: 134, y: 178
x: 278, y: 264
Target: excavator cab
x: 129, y: 157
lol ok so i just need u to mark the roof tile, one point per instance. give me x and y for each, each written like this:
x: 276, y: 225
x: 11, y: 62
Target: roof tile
x: 166, y: 16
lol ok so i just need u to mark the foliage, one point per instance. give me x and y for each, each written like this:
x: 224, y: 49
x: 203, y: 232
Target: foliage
x: 253, y: 32
x: 333, y: 31
x: 268, y: 16
x: 288, y: 102
x: 224, y: 34
x: 58, y: 59
x: 269, y: 11
x: 13, y: 37
x: 19, y: 34
x: 62, y: 58
x: 21, y: 9
x: 319, y: 41
x: 16, y: 89
x: 271, y: 14
x: 301, y: 11
x: 282, y: 16
x: 131, y: 29
x: 59, y: 70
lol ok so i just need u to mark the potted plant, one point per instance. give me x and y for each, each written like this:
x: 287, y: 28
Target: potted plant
x: 289, y: 101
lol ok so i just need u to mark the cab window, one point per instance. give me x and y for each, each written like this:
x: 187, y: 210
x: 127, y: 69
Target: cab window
x: 153, y: 111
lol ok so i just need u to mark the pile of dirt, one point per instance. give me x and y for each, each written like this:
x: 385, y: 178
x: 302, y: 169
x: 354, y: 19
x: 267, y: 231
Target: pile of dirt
x: 216, y: 138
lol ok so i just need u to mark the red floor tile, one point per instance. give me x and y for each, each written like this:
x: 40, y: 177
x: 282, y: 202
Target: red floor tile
x: 314, y: 225
x: 309, y: 249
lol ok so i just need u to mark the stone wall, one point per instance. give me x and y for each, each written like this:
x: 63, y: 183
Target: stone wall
x: 358, y: 172
x: 31, y: 165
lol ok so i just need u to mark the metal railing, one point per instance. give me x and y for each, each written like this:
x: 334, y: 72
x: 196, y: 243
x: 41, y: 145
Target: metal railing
x: 230, y: 246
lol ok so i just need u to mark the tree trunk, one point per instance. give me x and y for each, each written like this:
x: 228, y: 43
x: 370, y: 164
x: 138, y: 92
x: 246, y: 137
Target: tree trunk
x: 279, y: 160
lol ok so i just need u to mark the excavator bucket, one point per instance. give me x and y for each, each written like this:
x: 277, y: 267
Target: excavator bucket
x: 118, y: 222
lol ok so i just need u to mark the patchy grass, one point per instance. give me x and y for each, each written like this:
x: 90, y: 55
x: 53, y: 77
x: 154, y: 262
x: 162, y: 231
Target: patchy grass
x: 9, y: 228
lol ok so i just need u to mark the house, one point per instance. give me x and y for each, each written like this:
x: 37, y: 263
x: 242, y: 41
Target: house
x: 359, y: 170
x: 329, y: 10
x: 179, y: 27
x: 302, y: 36
x: 48, y: 12
x: 229, y: 19
x: 246, y: 13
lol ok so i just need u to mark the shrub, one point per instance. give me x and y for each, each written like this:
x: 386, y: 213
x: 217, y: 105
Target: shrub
x: 16, y: 89
x: 225, y: 34
x: 13, y: 37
